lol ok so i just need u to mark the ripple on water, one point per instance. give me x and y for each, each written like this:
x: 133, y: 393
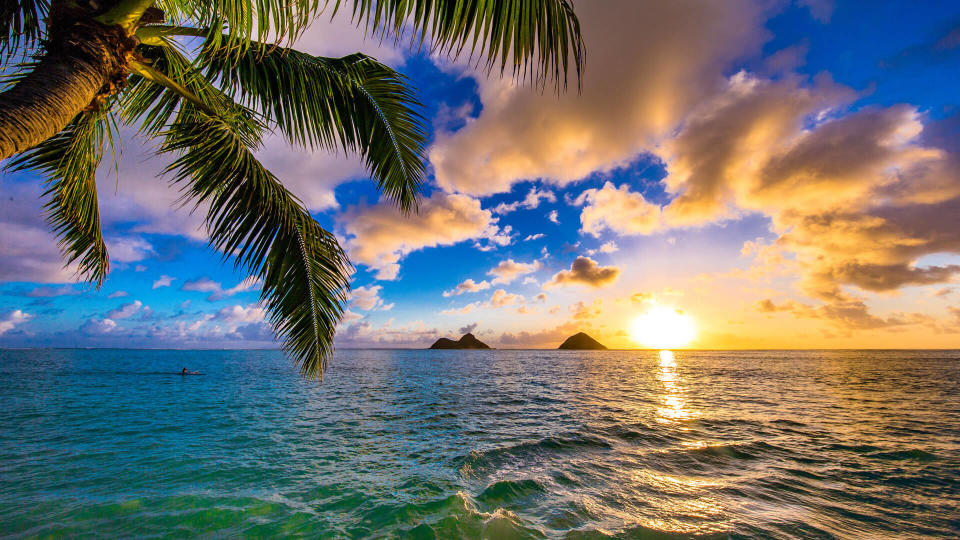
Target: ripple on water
x: 494, y: 444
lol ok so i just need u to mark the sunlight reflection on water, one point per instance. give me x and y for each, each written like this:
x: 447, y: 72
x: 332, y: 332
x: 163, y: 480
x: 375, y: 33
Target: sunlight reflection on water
x: 673, y: 406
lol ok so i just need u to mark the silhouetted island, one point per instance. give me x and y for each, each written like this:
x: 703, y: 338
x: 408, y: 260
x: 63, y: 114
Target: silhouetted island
x: 468, y: 341
x: 581, y: 341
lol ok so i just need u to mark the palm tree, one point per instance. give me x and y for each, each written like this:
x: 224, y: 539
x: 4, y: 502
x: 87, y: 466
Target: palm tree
x: 207, y: 79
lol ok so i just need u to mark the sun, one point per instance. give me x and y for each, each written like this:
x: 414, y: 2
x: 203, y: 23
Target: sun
x: 663, y: 328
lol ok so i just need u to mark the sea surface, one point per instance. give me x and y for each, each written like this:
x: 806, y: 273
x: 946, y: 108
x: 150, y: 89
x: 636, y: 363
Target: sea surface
x: 481, y: 444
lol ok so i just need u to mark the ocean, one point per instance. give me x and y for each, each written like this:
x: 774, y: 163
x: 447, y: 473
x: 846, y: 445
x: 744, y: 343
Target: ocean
x: 481, y: 444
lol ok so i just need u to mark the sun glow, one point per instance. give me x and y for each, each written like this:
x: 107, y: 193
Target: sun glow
x: 663, y: 328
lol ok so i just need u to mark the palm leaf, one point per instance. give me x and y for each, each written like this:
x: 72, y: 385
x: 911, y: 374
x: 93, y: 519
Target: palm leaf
x: 21, y: 25
x: 236, y: 24
x: 154, y: 106
x: 69, y: 160
x: 536, y: 39
x: 354, y: 102
x: 256, y: 221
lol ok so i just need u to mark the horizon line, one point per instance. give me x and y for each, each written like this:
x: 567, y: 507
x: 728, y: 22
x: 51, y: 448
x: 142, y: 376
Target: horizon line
x: 480, y: 350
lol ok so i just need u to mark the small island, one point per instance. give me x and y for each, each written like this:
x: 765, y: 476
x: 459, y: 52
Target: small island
x: 581, y: 342
x: 468, y: 341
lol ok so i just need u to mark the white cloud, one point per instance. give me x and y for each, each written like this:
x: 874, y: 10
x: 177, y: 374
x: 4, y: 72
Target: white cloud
x: 95, y: 327
x: 12, y: 319
x: 237, y: 314
x: 125, y: 311
x: 128, y: 249
x: 552, y: 216
x: 117, y: 294
x: 608, y: 247
x: 367, y: 298
x: 202, y: 284
x: 163, y: 281
x: 531, y: 201
x: 534, y: 237
x: 216, y: 290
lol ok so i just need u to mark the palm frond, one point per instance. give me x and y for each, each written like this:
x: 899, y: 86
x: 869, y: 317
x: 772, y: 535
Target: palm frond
x: 153, y: 102
x: 21, y: 22
x: 256, y: 221
x: 536, y: 39
x: 236, y: 24
x: 354, y: 102
x: 69, y: 160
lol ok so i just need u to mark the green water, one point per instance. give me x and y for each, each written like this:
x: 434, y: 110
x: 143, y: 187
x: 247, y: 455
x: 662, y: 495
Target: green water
x: 471, y: 444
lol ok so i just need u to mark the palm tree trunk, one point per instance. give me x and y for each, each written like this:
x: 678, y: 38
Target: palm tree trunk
x: 79, y: 65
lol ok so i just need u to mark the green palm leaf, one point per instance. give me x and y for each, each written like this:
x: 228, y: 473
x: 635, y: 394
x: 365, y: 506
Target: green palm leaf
x: 353, y: 102
x: 535, y: 39
x: 269, y: 234
x: 21, y: 23
x: 69, y: 160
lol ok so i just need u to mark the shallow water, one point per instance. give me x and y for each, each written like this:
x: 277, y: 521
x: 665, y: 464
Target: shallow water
x: 470, y: 444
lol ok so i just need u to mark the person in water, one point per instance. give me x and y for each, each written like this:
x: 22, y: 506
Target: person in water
x: 184, y: 372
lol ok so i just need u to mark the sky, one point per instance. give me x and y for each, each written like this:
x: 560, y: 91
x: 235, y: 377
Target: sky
x: 784, y: 174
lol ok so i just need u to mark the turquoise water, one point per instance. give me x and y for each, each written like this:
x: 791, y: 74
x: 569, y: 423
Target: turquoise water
x: 470, y: 444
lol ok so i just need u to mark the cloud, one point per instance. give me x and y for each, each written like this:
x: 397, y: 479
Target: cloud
x: 583, y: 311
x: 128, y: 249
x: 94, y: 327
x: 683, y: 49
x: 531, y: 201
x: 502, y: 298
x: 125, y: 311
x: 48, y: 292
x: 28, y: 251
x: 163, y: 281
x: 12, y: 319
x: 201, y: 284
x: 617, y: 209
x: 847, y: 313
x: 364, y: 334
x: 461, y: 310
x: 607, y: 247
x: 468, y: 328
x: 467, y: 286
x: 379, y: 236
x: 237, y: 314
x: 117, y: 294
x: 534, y: 237
x: 549, y: 338
x: 585, y: 271
x: 216, y: 290
x: 856, y: 199
x: 552, y: 216
x: 509, y: 270
x: 367, y: 298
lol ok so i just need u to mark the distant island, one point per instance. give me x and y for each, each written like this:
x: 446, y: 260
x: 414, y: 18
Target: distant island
x: 581, y: 341
x: 468, y: 341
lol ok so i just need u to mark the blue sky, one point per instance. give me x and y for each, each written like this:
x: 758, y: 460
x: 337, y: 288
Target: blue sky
x: 759, y: 166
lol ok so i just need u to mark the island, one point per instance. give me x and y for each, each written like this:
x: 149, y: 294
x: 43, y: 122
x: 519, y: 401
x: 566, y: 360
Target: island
x: 468, y: 341
x: 581, y: 341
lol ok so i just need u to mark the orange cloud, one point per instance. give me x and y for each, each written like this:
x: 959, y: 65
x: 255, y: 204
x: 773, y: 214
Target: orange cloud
x: 617, y: 209
x: 676, y: 53
x: 585, y: 271
x: 379, y: 236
